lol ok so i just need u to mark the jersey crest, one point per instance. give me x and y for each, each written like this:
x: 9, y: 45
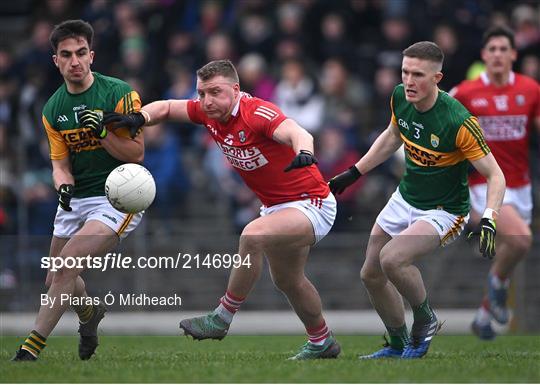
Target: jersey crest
x: 434, y: 140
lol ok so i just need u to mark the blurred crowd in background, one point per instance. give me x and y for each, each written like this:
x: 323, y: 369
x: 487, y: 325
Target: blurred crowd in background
x: 330, y: 65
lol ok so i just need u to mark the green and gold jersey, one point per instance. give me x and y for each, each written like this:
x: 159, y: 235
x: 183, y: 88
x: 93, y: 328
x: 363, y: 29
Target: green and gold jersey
x: 90, y: 162
x: 438, y: 144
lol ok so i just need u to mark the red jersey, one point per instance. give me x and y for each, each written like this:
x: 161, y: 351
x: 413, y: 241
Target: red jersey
x: 247, y: 143
x: 506, y: 114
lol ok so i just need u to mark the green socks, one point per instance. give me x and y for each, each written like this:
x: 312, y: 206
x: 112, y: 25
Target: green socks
x: 398, y: 336
x: 423, y: 313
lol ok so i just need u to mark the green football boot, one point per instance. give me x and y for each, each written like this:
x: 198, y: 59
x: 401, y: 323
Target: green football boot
x: 309, y: 351
x: 204, y: 327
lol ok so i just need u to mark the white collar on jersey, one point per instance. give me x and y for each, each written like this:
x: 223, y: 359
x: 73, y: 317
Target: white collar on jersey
x: 485, y: 79
x: 237, y: 105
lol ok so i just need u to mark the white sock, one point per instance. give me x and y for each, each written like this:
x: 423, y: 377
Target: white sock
x: 497, y: 283
x: 317, y: 336
x: 224, y: 314
x: 483, y: 317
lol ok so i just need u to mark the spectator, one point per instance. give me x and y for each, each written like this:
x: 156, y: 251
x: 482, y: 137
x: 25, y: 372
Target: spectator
x: 255, y: 34
x: 297, y: 96
x: 181, y: 50
x: 219, y: 46
x: 455, y: 60
x: 530, y: 66
x: 525, y: 20
x: 396, y: 33
x: 36, y: 59
x: 335, y: 41
x: 252, y: 69
x: 385, y: 80
x: 345, y: 97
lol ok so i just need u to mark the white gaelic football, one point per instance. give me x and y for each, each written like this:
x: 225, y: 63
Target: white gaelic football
x: 130, y: 188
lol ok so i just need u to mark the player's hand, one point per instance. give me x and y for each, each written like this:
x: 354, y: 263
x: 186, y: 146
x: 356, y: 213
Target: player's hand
x: 94, y: 121
x: 487, y: 231
x: 340, y: 182
x: 65, y: 193
x: 133, y: 122
x: 303, y: 159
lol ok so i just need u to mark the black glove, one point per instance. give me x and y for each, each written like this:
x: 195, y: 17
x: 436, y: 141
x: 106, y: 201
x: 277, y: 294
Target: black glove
x: 340, y: 182
x: 303, y: 159
x: 65, y: 193
x: 133, y: 122
x: 487, y: 231
x: 94, y: 121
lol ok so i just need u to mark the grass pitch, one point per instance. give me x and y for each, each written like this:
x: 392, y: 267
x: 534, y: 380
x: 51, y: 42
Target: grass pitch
x: 248, y: 359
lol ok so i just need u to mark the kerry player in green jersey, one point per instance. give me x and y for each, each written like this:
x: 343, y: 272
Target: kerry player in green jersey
x: 431, y: 205
x: 83, y: 152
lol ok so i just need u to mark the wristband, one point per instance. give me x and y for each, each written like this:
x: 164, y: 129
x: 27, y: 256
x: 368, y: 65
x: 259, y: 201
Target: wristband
x: 490, y: 214
x: 146, y: 116
x: 355, y: 171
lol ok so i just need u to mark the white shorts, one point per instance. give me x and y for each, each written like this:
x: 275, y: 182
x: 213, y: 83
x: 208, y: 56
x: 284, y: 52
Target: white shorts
x: 320, y: 212
x: 398, y: 215
x: 67, y: 223
x: 519, y: 197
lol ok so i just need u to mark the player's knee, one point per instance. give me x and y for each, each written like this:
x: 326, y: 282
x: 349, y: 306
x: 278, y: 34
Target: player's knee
x: 519, y: 244
x: 251, y: 244
x: 286, y: 284
x: 281, y: 283
x: 372, y: 278
x: 391, y: 261
x: 252, y: 238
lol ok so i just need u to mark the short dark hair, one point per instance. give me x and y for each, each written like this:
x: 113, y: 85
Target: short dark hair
x: 496, y: 32
x: 425, y: 50
x: 224, y: 68
x: 71, y: 29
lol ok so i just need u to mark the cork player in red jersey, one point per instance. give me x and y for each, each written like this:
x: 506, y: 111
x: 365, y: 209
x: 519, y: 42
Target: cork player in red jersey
x: 507, y: 105
x: 274, y: 156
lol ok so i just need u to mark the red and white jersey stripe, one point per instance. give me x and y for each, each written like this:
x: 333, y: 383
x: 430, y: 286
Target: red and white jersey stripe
x: 266, y: 113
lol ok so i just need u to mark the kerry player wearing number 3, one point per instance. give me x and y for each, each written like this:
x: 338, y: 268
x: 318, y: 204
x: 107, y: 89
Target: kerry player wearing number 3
x: 430, y: 207
x: 507, y: 105
x: 83, y: 153
x: 274, y: 156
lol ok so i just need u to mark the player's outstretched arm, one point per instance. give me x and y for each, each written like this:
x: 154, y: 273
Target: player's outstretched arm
x: 162, y: 110
x: 153, y: 113
x: 383, y: 148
